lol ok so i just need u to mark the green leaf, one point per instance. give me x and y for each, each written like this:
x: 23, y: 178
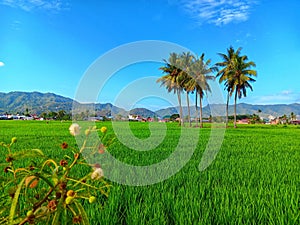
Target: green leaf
x: 85, y: 220
x: 15, y: 202
x: 32, y: 153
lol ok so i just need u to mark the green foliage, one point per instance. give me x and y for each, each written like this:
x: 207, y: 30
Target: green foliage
x: 38, y: 189
x: 173, y: 117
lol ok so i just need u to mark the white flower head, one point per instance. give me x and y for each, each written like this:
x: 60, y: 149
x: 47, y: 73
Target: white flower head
x: 97, y: 174
x: 74, y: 129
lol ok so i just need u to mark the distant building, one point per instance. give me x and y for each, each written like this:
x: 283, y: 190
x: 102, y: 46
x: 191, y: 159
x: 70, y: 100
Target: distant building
x: 296, y: 122
x: 134, y: 118
x: 243, y: 121
x: 275, y: 121
x: 3, y: 117
x: 167, y: 118
x: 150, y: 119
x: 270, y: 117
x: 15, y: 117
x: 95, y: 118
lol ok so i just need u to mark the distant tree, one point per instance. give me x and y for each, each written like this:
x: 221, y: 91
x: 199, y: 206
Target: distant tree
x: 293, y: 116
x: 106, y: 118
x: 27, y: 112
x: 61, y: 114
x: 284, y: 119
x: 67, y: 116
x: 255, y: 118
x: 174, y: 117
x: 44, y: 115
x: 52, y: 115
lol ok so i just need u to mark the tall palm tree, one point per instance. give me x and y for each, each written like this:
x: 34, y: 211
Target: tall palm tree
x: 185, y: 62
x: 225, y: 74
x: 242, y: 77
x: 171, y: 79
x: 200, y: 73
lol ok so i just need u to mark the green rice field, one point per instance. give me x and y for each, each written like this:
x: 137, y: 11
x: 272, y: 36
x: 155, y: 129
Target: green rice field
x: 255, y: 178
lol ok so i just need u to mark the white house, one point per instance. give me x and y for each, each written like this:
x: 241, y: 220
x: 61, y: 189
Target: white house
x: 134, y: 118
x: 270, y: 117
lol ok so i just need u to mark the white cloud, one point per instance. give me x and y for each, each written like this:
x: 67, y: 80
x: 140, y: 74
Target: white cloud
x: 2, y: 64
x: 282, y: 97
x: 219, y: 12
x: 29, y: 5
x: 286, y: 92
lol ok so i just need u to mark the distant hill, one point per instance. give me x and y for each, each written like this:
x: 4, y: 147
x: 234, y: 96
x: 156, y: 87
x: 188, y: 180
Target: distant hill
x: 242, y: 109
x: 167, y: 112
x: 143, y: 112
x: 36, y: 103
x: 275, y: 110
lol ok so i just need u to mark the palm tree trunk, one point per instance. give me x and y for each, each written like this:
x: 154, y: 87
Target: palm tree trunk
x: 227, y: 105
x: 235, y: 99
x: 180, y: 108
x: 197, y: 111
x: 201, y: 120
x: 188, y: 105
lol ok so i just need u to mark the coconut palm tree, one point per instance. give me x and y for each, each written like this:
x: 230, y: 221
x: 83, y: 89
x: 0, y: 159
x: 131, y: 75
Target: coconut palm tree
x: 185, y: 79
x: 237, y: 74
x: 201, y: 73
x: 241, y: 74
x: 224, y: 73
x: 171, y: 81
x: 185, y: 63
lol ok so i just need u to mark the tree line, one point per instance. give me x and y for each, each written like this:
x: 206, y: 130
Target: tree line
x: 188, y: 73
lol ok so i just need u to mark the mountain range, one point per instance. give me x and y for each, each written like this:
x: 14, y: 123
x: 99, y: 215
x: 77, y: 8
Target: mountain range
x: 37, y: 103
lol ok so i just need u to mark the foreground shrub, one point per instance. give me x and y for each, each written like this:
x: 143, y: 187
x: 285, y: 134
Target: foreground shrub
x: 46, y: 191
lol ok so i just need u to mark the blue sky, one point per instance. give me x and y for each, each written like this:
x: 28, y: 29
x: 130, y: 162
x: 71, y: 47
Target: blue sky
x: 48, y: 46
